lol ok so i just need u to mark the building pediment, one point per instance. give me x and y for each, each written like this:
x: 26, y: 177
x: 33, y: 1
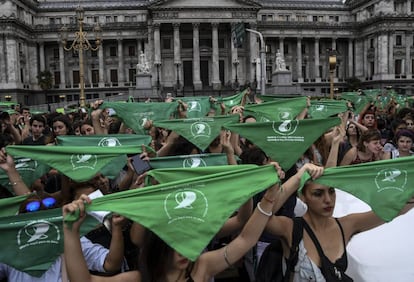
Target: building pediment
x: 210, y: 4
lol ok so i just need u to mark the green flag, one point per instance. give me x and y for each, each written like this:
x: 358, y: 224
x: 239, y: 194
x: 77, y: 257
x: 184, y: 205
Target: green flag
x: 189, y: 161
x: 284, y: 141
x: 233, y: 100
x: 359, y: 101
x: 112, y: 169
x: 134, y: 115
x: 80, y: 163
x: 111, y: 140
x: 29, y: 170
x: 324, y: 108
x: 197, y: 106
x: 385, y: 186
x: 199, y: 131
x: 187, y: 214
x: 277, y: 110
x: 175, y: 174
x: 31, y: 242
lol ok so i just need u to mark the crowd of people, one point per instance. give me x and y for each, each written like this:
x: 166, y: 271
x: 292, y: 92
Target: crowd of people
x: 124, y: 250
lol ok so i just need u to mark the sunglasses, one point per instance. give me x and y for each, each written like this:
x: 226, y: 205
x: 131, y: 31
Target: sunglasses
x: 35, y: 205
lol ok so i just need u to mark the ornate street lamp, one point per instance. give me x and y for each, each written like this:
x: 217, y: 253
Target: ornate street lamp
x: 236, y: 63
x: 332, y: 68
x: 80, y: 44
x: 177, y: 65
x: 158, y: 65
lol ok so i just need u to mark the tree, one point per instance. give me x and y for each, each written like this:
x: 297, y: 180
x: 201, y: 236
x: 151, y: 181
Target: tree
x: 353, y: 83
x: 45, y: 80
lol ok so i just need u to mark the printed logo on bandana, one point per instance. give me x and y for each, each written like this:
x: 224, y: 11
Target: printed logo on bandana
x: 186, y: 204
x: 321, y: 108
x: 194, y: 106
x: 26, y: 164
x: 37, y: 233
x: 287, y: 127
x: 391, y: 178
x: 109, y: 142
x: 284, y: 114
x: 200, y: 129
x: 264, y: 119
x: 83, y: 161
x: 142, y: 118
x: 194, y: 162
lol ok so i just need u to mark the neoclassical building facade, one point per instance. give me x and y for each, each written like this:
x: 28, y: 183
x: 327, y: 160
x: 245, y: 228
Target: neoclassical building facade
x: 192, y: 48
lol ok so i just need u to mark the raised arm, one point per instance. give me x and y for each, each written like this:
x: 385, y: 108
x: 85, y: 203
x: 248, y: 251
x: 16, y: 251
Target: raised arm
x: 7, y: 164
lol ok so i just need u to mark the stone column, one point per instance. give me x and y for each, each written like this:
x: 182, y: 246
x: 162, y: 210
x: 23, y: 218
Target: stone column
x: 282, y: 46
x: 350, y: 57
x: 299, y: 57
x: 391, y: 65
x: 359, y: 57
x: 317, y: 60
x: 254, y: 54
x: 101, y: 66
x: 196, y: 57
x: 215, y: 58
x: 177, y: 52
x: 157, y: 43
x: 42, y: 56
x: 364, y: 58
x: 409, y: 7
x: 383, y: 54
x: 62, y: 67
x: 3, y: 68
x: 408, y: 44
x: 12, y: 68
x: 333, y: 44
x: 32, y: 63
x: 234, y: 58
x: 121, y: 65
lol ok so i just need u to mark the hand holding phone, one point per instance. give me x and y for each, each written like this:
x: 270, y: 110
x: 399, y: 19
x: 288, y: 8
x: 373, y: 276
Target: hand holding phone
x: 140, y: 165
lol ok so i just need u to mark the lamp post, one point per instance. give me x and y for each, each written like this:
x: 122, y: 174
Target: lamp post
x: 236, y: 63
x: 262, y: 61
x: 332, y: 67
x: 80, y: 44
x: 158, y: 65
x: 8, y: 98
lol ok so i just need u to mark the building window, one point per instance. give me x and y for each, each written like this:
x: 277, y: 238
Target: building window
x: 56, y: 77
x: 398, y: 66
x: 371, y: 43
x: 334, y: 18
x: 285, y: 49
x: 75, y: 77
x: 72, y: 20
x: 132, y: 75
x: 301, y: 18
x: 94, y: 53
x: 187, y: 43
x: 112, y: 51
x: 303, y: 46
x: 398, y: 40
x: 108, y: 19
x: 166, y: 43
x: 284, y: 18
x: 221, y: 43
x: 55, y: 53
x: 315, y: 18
x: 268, y: 48
x: 95, y: 76
x: 115, y: 19
x: 114, y: 76
x: 131, y: 51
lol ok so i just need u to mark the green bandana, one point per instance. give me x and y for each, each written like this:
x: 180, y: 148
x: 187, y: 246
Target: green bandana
x: 385, y: 186
x: 326, y: 107
x: 104, y: 140
x: 187, y: 214
x: 197, y: 106
x: 80, y: 163
x: 284, y: 141
x: 359, y: 101
x: 189, y: 161
x: 277, y: 110
x: 134, y: 115
x: 199, y: 131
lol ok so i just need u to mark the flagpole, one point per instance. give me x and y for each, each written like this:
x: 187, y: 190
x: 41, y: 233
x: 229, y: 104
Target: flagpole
x: 262, y: 60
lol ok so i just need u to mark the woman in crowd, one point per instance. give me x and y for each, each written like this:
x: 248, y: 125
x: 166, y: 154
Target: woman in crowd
x: 369, y: 149
x: 332, y: 234
x: 61, y: 126
x: 404, y: 140
x: 177, y: 267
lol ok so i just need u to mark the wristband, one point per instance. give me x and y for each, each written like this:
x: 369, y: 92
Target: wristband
x: 262, y: 211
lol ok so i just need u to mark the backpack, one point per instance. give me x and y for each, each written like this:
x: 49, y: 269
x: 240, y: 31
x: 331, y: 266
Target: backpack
x: 270, y: 268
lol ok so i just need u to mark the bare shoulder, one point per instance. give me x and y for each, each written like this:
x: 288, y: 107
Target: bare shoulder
x: 359, y: 222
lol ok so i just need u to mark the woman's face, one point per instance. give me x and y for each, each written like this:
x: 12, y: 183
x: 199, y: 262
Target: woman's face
x: 320, y: 199
x: 352, y: 129
x: 180, y: 262
x: 404, y: 143
x: 409, y: 123
x: 373, y: 146
x: 86, y: 129
x: 59, y: 128
x: 369, y: 120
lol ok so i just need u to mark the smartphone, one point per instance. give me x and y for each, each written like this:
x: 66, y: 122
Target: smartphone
x: 140, y: 165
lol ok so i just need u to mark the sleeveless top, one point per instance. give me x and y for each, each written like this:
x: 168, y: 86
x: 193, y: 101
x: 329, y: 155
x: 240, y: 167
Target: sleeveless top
x: 395, y: 154
x: 357, y: 160
x: 307, y: 270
